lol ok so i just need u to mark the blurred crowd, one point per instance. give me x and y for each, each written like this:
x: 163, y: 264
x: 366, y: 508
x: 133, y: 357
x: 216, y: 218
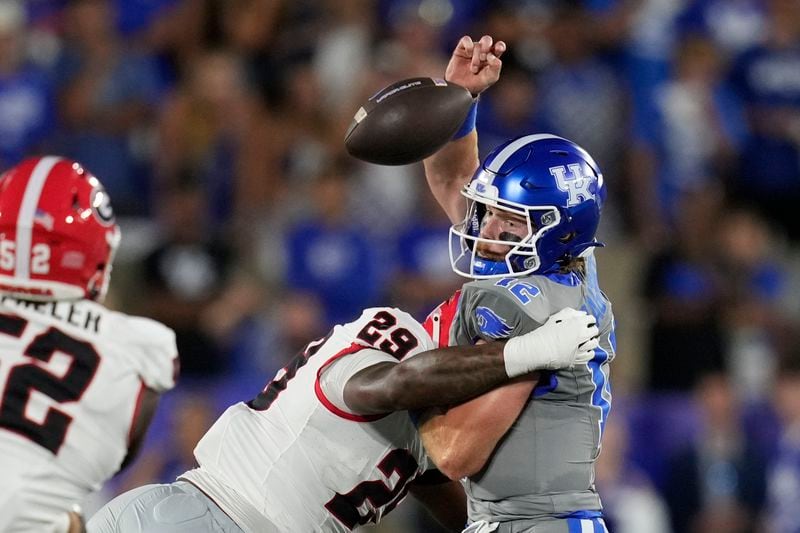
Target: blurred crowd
x: 217, y: 127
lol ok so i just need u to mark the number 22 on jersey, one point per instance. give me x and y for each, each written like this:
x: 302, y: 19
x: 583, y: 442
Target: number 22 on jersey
x: 26, y: 378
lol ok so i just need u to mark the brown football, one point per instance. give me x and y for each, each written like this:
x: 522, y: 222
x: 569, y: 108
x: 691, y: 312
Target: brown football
x: 407, y: 121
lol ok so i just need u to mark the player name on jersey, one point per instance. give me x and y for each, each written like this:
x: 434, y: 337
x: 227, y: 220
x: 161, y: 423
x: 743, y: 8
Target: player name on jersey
x: 67, y: 312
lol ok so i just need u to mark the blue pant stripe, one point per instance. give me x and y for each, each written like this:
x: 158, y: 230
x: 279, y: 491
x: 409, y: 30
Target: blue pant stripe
x: 574, y: 525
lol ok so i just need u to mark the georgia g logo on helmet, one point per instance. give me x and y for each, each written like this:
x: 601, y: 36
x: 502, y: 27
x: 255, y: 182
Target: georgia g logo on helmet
x: 101, y: 206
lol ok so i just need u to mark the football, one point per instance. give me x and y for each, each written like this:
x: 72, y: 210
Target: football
x: 407, y: 121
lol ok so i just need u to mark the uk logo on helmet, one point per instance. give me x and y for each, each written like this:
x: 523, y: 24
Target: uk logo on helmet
x: 573, y: 182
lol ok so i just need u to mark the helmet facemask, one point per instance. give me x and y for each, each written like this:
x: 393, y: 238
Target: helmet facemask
x: 521, y: 259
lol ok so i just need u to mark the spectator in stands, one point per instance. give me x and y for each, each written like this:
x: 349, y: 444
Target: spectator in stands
x: 423, y: 263
x: 697, y: 129
x: 783, y: 481
x: 755, y: 283
x: 684, y: 295
x: 717, y: 482
x: 108, y: 100
x: 734, y: 26
x: 511, y: 109
x: 187, y: 272
x: 329, y: 254
x: 26, y: 94
x: 580, y: 97
x: 630, y: 502
x: 212, y: 126
x: 768, y: 81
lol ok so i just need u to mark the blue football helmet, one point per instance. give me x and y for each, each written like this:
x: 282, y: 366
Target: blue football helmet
x: 550, y: 181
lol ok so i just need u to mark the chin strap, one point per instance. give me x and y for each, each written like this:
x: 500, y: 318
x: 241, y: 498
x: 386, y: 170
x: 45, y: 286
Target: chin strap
x: 485, y: 267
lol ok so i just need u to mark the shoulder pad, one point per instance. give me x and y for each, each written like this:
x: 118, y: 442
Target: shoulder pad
x: 495, y: 311
x: 151, y: 348
x: 524, y: 293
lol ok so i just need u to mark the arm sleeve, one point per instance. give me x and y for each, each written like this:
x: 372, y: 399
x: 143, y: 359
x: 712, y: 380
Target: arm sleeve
x: 336, y: 374
x: 152, y: 351
x: 159, y: 366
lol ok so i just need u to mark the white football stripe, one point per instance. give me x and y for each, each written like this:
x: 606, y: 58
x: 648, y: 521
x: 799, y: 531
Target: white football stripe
x: 27, y: 210
x: 587, y: 526
x: 506, y: 152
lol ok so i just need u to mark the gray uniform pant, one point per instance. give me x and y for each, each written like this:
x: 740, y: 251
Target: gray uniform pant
x: 178, y: 507
x: 564, y: 525
x: 568, y: 525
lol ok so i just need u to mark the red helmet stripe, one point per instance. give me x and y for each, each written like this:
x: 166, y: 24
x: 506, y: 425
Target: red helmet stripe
x: 27, y: 211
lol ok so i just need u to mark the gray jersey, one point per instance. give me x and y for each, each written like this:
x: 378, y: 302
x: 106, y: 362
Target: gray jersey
x: 544, y: 467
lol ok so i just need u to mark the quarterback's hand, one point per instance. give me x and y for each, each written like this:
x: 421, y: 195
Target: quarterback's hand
x: 569, y: 337
x: 475, y: 65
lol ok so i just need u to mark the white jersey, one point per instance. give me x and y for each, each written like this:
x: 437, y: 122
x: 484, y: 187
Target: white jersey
x: 297, y: 457
x: 71, y: 376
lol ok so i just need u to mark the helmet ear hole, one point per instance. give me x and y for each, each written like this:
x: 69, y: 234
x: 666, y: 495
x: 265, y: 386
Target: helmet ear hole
x: 95, y: 285
x: 564, y: 239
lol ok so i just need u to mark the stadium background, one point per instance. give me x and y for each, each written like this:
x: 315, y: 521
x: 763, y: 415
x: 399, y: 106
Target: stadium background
x: 217, y: 126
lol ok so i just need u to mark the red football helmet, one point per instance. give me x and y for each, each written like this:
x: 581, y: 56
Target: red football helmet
x: 57, y: 231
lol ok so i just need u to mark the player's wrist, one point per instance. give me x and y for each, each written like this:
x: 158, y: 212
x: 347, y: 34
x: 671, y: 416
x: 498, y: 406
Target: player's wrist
x: 511, y: 359
x: 522, y: 355
x: 468, y: 126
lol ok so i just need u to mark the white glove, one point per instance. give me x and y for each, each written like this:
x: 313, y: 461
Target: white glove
x: 569, y: 337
